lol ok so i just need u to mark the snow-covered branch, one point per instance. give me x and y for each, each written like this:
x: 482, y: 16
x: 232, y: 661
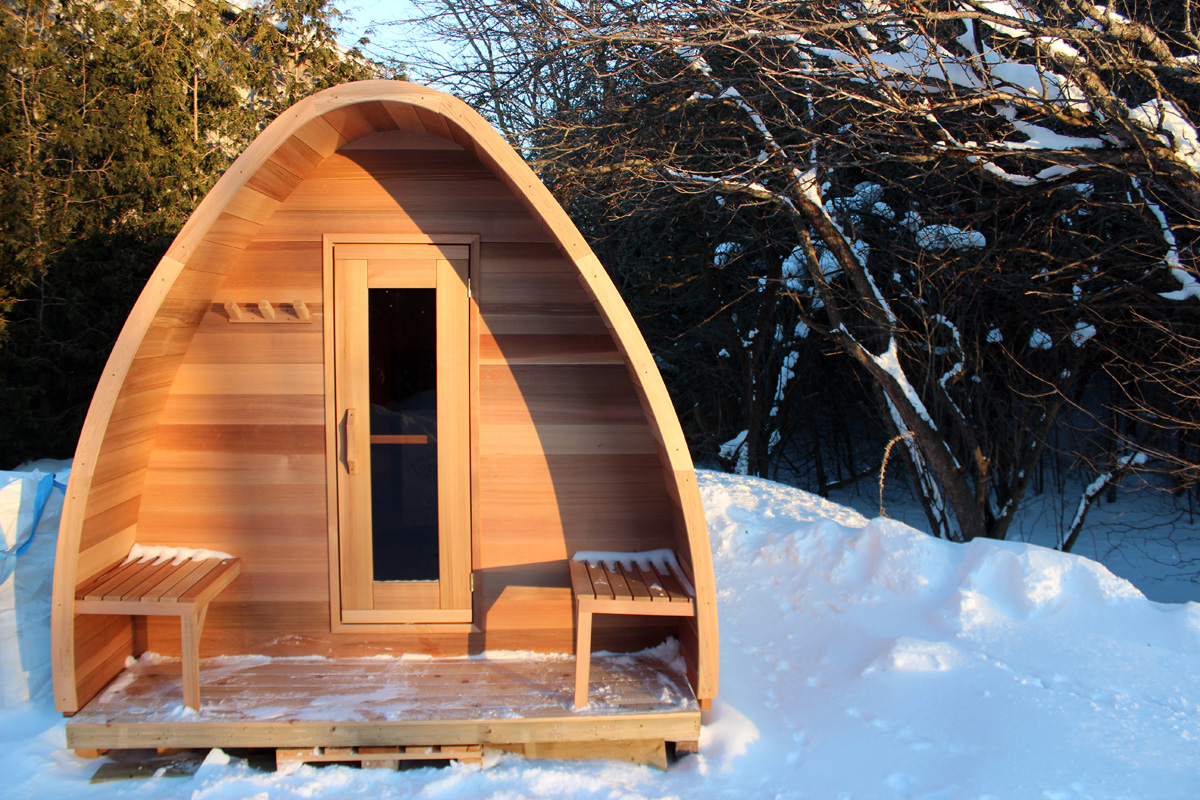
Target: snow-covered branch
x: 1124, y: 465
x: 997, y: 196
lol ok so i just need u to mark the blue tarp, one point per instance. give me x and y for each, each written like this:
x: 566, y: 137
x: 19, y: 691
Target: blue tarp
x: 19, y: 518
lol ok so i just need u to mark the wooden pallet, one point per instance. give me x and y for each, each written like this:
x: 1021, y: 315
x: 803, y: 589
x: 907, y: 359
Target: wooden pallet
x: 287, y: 759
x: 644, y: 752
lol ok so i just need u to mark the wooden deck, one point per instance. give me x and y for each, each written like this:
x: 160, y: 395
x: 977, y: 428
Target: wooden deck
x: 253, y: 701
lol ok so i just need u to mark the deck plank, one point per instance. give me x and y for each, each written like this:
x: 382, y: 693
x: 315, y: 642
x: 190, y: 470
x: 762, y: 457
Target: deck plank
x: 253, y: 700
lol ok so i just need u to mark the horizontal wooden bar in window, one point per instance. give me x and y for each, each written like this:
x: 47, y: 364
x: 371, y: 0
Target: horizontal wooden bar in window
x: 399, y: 439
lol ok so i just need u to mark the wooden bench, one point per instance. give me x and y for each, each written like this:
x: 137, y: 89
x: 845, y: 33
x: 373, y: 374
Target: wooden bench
x: 150, y: 588
x: 648, y: 584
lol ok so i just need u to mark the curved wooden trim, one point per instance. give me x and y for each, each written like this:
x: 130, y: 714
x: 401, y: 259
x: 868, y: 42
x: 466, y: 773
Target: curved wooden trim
x: 312, y: 122
x: 66, y: 561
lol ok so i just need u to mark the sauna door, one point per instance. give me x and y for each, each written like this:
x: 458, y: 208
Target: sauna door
x: 401, y: 358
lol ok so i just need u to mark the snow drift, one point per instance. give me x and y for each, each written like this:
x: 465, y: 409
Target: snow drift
x: 861, y: 659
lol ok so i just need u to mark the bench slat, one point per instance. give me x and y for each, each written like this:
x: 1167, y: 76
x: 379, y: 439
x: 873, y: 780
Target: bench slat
x: 637, y: 586
x: 684, y: 579
x: 581, y: 582
x: 214, y: 580
x: 620, y: 589
x: 176, y: 593
x: 653, y: 584
x: 151, y: 579
x: 90, y: 585
x: 171, y: 581
x: 146, y: 569
x: 672, y: 586
x: 600, y: 584
x: 116, y: 578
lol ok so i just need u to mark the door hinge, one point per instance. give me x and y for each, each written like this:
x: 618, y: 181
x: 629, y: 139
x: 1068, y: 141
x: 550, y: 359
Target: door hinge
x: 471, y: 579
x: 469, y: 295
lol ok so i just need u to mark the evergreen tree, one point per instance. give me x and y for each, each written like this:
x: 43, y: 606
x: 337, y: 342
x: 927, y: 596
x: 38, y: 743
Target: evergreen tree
x: 115, y: 119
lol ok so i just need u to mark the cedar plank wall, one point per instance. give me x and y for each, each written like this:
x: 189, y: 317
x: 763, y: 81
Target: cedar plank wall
x: 110, y: 520
x: 238, y: 463
x: 106, y: 489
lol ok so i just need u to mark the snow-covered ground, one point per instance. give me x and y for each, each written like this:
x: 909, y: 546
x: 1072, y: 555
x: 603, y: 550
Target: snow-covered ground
x: 1146, y: 535
x: 859, y: 659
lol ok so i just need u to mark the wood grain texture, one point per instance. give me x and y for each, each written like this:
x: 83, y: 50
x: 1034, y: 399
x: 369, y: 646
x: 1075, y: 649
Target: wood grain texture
x: 113, y: 522
x: 555, y: 381
x: 564, y: 439
x: 100, y: 651
x: 234, y: 440
x: 233, y: 346
x: 120, y: 491
x: 244, y: 409
x: 547, y: 349
x: 546, y: 322
x: 354, y: 269
x: 248, y: 378
x: 460, y: 702
x: 180, y: 378
x: 560, y: 409
x: 454, y: 446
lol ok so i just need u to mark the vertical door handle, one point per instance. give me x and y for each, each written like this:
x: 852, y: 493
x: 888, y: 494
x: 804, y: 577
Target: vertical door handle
x: 351, y: 460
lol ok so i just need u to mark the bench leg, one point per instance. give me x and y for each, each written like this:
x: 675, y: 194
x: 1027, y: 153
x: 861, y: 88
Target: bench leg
x: 190, y: 627
x: 583, y: 653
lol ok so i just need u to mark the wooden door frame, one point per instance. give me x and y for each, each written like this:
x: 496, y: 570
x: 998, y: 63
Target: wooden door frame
x: 332, y: 449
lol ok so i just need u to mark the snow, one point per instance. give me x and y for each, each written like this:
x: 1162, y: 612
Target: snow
x: 736, y: 448
x: 1040, y: 138
x: 1040, y: 340
x: 861, y: 658
x: 948, y: 237
x: 1083, y: 331
x: 663, y: 560
x: 160, y: 554
x: 1189, y: 286
x: 1003, y: 174
x: 889, y: 362
x: 1165, y: 116
x: 1098, y: 485
x: 725, y: 253
x: 793, y: 270
x: 1006, y: 9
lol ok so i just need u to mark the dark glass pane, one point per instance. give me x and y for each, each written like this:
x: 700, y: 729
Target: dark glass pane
x: 403, y: 381
x: 404, y: 511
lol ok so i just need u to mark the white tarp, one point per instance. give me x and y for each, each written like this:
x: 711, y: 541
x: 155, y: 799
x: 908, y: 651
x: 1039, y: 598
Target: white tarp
x: 31, y: 501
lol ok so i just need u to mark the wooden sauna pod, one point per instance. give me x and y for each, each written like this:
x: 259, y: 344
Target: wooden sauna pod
x: 221, y: 421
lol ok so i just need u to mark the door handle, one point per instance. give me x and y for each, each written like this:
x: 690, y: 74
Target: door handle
x: 351, y: 460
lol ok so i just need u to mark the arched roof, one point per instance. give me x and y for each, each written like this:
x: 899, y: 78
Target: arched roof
x: 99, y: 519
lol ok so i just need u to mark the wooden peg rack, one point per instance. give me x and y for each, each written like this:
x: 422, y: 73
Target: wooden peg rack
x: 265, y: 311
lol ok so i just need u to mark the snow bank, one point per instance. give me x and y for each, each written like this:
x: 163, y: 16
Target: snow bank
x: 878, y: 661
x: 859, y: 659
